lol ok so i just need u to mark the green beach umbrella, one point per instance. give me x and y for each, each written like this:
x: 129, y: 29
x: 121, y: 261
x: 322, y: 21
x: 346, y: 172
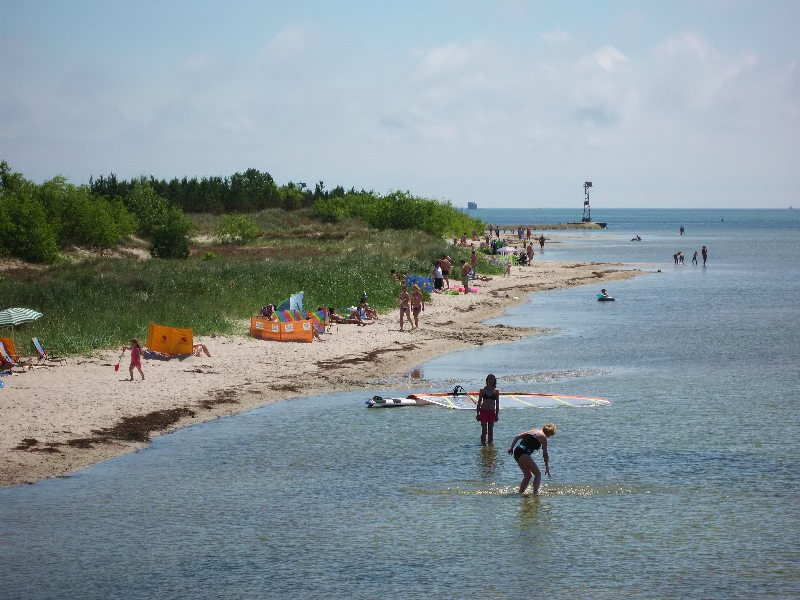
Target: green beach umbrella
x: 17, y: 316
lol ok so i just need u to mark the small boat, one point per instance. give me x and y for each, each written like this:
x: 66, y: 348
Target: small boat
x: 460, y: 399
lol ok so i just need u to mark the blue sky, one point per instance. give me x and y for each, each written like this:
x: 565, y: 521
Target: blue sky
x: 679, y: 103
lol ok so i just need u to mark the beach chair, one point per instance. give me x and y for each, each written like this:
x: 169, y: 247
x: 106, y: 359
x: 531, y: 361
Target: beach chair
x: 10, y: 352
x: 44, y: 356
x: 8, y: 356
x: 6, y: 362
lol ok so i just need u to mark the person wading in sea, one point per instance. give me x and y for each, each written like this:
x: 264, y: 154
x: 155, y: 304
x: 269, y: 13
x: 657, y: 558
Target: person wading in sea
x: 526, y: 444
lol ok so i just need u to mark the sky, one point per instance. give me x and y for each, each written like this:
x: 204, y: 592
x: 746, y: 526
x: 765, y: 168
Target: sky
x: 506, y: 103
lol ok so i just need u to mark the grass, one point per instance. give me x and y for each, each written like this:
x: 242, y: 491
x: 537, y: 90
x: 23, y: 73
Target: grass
x: 103, y: 302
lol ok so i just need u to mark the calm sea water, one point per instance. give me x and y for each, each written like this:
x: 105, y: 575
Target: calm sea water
x: 685, y: 487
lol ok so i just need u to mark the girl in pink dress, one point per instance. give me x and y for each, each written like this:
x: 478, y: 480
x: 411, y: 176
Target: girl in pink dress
x: 136, y: 358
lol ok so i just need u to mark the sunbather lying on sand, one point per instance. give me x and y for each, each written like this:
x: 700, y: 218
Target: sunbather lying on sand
x: 198, y: 348
x: 354, y: 318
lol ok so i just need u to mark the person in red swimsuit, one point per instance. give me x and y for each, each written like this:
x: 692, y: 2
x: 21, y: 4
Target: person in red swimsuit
x: 488, y: 409
x: 136, y: 358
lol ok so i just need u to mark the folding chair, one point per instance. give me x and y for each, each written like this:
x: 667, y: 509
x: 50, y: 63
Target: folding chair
x: 43, y: 356
x: 8, y: 356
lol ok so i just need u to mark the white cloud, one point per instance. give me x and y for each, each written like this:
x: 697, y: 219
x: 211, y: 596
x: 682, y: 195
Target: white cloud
x: 686, y: 43
x: 609, y: 57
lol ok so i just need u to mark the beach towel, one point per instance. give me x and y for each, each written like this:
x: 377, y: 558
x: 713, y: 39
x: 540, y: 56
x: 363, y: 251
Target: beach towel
x: 424, y: 283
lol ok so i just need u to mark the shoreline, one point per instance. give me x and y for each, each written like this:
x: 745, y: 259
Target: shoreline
x: 60, y: 419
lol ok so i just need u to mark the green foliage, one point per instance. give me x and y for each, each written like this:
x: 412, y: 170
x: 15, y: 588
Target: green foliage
x: 242, y: 192
x: 237, y: 229
x: 291, y: 197
x: 104, y: 302
x: 398, y: 210
x: 77, y: 216
x: 164, y: 223
x: 37, y: 220
x: 170, y: 238
x: 331, y: 210
x: 149, y: 208
x: 24, y: 229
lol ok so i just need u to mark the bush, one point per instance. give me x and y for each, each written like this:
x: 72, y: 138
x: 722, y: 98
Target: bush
x: 237, y: 229
x: 170, y: 238
x: 24, y: 230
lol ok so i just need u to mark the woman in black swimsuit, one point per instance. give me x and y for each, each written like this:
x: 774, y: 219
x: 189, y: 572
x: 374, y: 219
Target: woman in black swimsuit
x: 526, y: 444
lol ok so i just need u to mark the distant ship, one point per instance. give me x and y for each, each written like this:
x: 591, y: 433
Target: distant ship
x: 472, y: 205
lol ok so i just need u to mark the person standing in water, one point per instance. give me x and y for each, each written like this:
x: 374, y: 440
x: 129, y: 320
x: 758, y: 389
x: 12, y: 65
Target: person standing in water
x: 704, y: 254
x: 488, y: 409
x: 526, y: 444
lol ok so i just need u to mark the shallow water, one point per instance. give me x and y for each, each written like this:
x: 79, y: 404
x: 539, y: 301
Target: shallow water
x: 686, y: 486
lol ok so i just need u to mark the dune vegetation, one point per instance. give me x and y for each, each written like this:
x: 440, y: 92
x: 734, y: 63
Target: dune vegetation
x: 204, y: 270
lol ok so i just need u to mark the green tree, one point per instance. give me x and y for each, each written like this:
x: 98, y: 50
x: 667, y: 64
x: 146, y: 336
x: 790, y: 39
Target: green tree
x: 170, y: 237
x: 24, y: 229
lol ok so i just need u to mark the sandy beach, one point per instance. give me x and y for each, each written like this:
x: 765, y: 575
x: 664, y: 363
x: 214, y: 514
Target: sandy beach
x: 61, y: 418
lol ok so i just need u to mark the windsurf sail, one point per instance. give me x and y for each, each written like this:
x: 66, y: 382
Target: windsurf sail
x: 463, y: 400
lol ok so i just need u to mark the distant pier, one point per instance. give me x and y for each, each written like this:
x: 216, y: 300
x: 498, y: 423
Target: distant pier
x: 555, y: 226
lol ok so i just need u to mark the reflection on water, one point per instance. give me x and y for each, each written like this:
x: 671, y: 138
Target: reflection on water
x: 529, y: 510
x: 489, y: 464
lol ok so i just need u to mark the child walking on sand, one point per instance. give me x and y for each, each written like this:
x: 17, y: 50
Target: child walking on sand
x: 136, y: 358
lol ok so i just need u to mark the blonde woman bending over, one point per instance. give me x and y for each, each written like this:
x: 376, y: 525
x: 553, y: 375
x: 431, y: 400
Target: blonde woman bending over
x: 526, y: 444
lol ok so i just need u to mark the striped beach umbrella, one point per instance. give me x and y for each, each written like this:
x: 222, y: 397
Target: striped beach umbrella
x: 17, y: 316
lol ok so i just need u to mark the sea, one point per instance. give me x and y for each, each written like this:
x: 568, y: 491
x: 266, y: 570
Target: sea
x: 686, y: 486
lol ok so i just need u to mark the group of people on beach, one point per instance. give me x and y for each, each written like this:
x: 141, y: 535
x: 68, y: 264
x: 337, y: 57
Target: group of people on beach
x: 524, y: 444
x: 678, y: 257
x: 410, y: 304
x: 442, y: 269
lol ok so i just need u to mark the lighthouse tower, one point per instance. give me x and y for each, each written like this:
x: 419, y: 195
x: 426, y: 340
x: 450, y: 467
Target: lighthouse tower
x: 587, y: 213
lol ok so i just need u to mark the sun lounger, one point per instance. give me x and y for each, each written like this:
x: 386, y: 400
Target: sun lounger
x: 44, y: 356
x: 8, y: 356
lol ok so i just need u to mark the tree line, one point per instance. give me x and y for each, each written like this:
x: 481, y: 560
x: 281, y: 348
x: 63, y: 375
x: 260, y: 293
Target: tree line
x: 38, y: 220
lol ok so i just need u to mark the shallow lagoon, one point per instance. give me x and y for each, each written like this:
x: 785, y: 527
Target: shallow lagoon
x: 666, y: 493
